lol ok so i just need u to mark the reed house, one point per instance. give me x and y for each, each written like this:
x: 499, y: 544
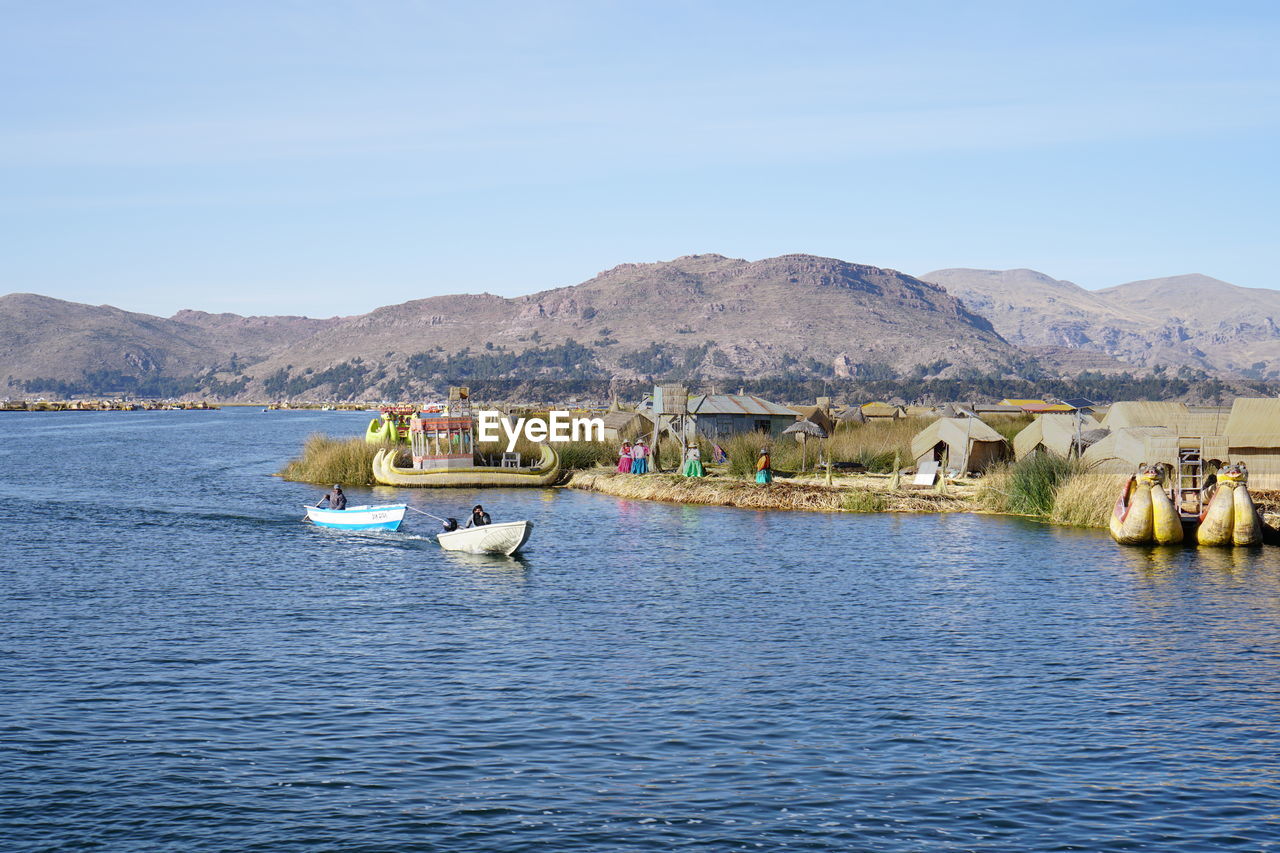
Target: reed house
x: 966, y: 444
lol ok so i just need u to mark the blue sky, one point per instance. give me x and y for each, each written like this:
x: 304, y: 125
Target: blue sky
x: 326, y: 158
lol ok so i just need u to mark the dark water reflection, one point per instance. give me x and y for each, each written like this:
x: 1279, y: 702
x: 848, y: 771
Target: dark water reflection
x: 186, y: 666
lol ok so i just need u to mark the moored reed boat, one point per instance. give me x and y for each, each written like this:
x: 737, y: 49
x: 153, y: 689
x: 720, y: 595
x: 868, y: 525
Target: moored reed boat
x: 366, y: 517
x: 380, y: 431
x: 545, y: 473
x: 503, y: 538
x: 1230, y: 518
x: 392, y: 427
x: 1145, y: 514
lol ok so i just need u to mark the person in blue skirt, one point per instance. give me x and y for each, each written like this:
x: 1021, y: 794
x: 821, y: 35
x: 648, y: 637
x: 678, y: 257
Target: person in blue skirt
x: 639, y: 457
x: 764, y: 470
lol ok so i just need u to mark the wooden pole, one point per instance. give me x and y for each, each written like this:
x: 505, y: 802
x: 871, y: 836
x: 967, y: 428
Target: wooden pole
x: 653, y: 450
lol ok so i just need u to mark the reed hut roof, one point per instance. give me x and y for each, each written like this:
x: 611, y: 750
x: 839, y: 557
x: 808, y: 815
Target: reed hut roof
x: 1253, y: 437
x: 960, y: 410
x: 624, y: 420
x: 1054, y: 432
x: 1254, y: 422
x: 1205, y: 420
x: 805, y: 427
x: 1048, y: 408
x: 954, y: 432
x: 881, y: 410
x: 1126, y: 447
x: 1128, y: 414
x: 1093, y: 436
x: 853, y: 413
x: 817, y: 415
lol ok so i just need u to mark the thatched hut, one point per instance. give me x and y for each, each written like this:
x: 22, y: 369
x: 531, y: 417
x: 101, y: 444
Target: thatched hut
x: 987, y: 409
x: 626, y: 425
x: 1037, y: 407
x: 853, y: 414
x: 1253, y: 437
x: 1170, y: 433
x: 882, y: 411
x: 819, y: 415
x: 966, y: 443
x: 1052, y: 433
x: 1125, y: 448
x: 1182, y: 419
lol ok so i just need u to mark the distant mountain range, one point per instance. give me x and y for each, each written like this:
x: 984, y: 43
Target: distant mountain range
x: 699, y: 317
x: 1182, y: 320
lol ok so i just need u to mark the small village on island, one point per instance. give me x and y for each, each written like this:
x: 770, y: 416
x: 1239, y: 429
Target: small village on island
x: 1151, y: 472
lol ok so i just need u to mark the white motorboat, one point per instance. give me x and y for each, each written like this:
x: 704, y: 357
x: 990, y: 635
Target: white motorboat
x: 386, y: 517
x: 505, y: 538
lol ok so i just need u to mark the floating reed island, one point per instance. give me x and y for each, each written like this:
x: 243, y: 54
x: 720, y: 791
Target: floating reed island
x: 104, y: 405
x: 727, y: 491
x: 1060, y: 467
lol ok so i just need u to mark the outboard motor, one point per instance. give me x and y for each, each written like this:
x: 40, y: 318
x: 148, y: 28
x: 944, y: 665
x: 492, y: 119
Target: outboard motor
x: 450, y: 525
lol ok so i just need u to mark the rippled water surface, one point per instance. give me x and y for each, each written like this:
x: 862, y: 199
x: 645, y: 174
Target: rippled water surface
x: 187, y: 666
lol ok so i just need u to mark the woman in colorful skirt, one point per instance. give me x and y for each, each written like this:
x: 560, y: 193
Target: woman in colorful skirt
x: 764, y: 472
x: 639, y: 457
x: 624, y: 458
x: 693, y: 462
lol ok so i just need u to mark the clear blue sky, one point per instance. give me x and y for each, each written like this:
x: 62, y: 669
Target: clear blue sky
x: 329, y: 157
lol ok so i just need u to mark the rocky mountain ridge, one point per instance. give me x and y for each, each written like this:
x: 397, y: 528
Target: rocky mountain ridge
x: 1192, y: 320
x: 699, y: 317
x: 704, y: 316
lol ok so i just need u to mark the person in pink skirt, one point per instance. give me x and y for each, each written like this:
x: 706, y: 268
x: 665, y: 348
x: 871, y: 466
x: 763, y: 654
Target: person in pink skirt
x: 624, y: 458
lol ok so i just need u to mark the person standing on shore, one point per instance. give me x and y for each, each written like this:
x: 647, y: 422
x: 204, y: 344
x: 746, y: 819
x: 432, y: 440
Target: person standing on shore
x: 624, y: 458
x: 693, y: 462
x: 764, y: 470
x: 639, y: 457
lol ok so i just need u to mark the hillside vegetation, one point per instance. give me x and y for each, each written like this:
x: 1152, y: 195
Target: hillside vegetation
x: 789, y: 328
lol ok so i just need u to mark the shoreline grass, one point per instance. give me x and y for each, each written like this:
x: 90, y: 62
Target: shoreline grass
x: 326, y: 460
x: 1086, y: 499
x: 1028, y: 486
x: 734, y: 492
x: 1048, y: 488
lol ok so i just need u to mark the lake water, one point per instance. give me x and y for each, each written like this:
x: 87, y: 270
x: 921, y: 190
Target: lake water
x: 187, y: 666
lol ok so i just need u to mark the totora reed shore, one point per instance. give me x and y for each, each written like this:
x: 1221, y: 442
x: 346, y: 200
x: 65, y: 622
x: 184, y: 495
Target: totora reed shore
x: 781, y: 494
x: 1041, y: 487
x: 1081, y: 499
